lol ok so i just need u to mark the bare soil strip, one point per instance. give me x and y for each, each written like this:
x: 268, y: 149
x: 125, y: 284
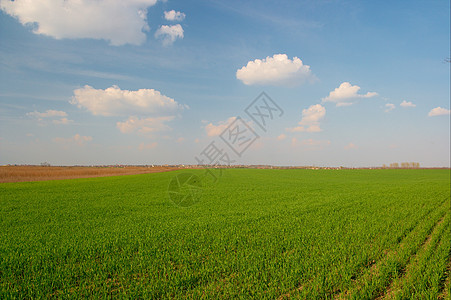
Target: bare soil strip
x: 38, y: 173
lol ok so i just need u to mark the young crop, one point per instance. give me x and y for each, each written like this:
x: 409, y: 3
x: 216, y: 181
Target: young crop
x: 309, y: 234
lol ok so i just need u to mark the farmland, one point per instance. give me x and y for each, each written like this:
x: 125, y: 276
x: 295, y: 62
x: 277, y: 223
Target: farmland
x: 39, y: 173
x: 337, y: 234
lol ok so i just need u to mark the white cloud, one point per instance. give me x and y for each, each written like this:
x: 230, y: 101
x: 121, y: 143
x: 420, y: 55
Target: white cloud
x: 276, y: 70
x: 350, y: 146
x: 173, y: 15
x: 62, y: 121
x: 146, y: 126
x: 345, y: 94
x: 115, y: 102
x: 310, y: 119
x: 143, y: 146
x: 180, y: 140
x: 76, y: 139
x: 117, y: 21
x: 47, y: 114
x: 215, y: 130
x: 389, y: 107
x: 281, y: 137
x: 312, y: 142
x: 439, y: 111
x: 407, y: 104
x: 169, y: 33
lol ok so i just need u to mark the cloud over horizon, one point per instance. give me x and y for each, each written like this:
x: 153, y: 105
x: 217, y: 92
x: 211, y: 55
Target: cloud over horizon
x: 345, y: 94
x: 50, y: 113
x: 173, y: 15
x: 439, y: 111
x: 405, y: 103
x: 310, y: 143
x: 47, y: 114
x: 310, y: 119
x: 169, y: 33
x: 389, y: 107
x: 116, y: 102
x: 215, y: 130
x: 77, y: 139
x: 145, y: 126
x: 119, y: 22
x: 277, y: 70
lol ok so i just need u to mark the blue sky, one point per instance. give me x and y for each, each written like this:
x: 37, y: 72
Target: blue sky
x: 155, y: 82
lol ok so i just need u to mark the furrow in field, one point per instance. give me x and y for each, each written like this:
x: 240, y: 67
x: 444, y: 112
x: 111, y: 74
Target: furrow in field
x: 405, y: 274
x: 371, y: 268
x: 378, y: 276
x: 295, y: 290
x: 445, y: 293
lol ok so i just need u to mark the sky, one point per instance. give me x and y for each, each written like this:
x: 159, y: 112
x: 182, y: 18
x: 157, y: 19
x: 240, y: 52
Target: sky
x: 344, y: 83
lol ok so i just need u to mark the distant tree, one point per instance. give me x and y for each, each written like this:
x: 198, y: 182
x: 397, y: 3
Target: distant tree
x: 394, y: 165
x: 384, y: 166
x: 45, y: 164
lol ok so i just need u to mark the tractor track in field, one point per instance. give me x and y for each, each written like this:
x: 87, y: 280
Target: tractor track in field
x: 446, y: 284
x: 406, y: 271
x: 295, y: 290
x: 373, y: 270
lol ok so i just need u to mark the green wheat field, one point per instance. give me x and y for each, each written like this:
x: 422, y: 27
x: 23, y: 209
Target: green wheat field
x: 260, y: 234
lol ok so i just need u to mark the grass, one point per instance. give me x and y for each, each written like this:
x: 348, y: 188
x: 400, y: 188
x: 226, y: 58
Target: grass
x: 314, y: 234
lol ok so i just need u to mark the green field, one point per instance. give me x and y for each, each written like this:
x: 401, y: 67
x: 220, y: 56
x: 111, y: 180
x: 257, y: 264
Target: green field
x: 359, y: 234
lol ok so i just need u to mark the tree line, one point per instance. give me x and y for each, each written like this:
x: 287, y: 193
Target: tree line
x: 403, y: 165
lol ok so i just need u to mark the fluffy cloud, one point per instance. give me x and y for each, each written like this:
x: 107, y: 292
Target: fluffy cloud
x: 143, y: 146
x: 62, y: 121
x: 117, y: 21
x: 389, y: 107
x: 439, y: 111
x: 215, y: 130
x: 47, y: 114
x: 76, y: 139
x: 50, y: 114
x: 345, y: 94
x: 276, y: 70
x: 310, y: 143
x: 281, y: 137
x: 310, y: 119
x: 146, y: 126
x: 115, y: 102
x: 169, y: 33
x: 407, y: 104
x: 173, y: 15
x: 350, y: 146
